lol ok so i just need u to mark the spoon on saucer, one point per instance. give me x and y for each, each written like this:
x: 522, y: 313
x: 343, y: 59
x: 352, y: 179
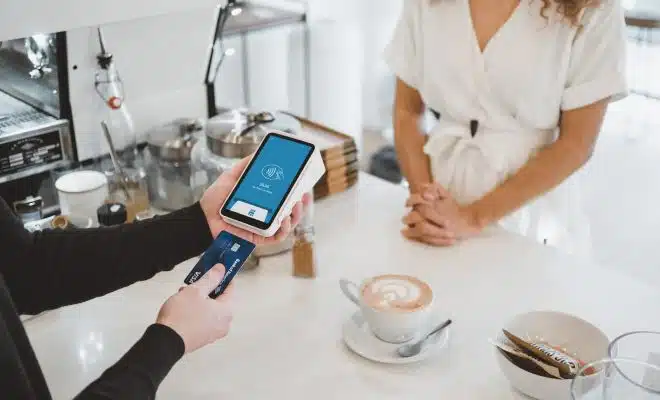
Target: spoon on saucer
x: 412, y: 349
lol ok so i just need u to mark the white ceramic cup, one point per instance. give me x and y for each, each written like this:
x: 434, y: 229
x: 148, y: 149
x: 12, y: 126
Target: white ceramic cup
x: 390, y: 325
x: 81, y: 193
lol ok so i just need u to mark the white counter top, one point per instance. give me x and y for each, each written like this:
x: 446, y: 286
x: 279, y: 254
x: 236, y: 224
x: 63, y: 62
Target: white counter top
x: 285, y: 341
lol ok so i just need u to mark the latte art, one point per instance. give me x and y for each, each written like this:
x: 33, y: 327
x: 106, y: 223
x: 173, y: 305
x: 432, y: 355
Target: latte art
x: 392, y: 292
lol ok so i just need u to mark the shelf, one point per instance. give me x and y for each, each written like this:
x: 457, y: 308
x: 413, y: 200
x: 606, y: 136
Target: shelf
x: 255, y: 17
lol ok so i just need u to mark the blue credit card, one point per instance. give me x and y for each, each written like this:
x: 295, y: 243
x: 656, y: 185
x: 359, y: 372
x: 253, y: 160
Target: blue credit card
x: 228, y: 250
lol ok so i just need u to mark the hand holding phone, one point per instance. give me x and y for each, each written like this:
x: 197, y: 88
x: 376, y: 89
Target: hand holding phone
x: 216, y: 195
x: 280, y: 172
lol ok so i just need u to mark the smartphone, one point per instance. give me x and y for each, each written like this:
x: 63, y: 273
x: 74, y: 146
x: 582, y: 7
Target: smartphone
x: 280, y: 172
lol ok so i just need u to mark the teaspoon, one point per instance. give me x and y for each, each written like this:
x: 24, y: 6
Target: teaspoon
x: 412, y: 349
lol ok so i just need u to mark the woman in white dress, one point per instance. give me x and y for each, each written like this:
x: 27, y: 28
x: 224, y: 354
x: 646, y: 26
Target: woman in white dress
x: 521, y: 88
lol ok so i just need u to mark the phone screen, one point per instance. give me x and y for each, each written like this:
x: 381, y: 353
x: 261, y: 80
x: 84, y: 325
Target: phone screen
x: 267, y: 180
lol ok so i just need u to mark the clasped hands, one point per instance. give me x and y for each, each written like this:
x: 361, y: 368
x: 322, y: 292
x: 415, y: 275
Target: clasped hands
x: 435, y: 218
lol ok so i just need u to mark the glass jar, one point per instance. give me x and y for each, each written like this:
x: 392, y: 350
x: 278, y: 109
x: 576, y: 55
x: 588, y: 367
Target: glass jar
x: 169, y: 165
x: 137, y: 190
x: 206, y: 167
x: 304, y: 257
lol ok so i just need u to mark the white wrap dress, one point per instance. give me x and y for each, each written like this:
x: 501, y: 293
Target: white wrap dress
x: 531, y: 70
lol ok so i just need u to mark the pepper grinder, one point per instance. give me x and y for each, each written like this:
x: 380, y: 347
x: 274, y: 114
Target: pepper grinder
x: 304, y: 258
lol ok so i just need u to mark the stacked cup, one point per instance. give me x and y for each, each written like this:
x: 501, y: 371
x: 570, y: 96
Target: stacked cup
x: 631, y: 372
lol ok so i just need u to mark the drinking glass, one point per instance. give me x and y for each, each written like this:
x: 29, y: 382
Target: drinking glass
x: 617, y: 379
x: 641, y: 345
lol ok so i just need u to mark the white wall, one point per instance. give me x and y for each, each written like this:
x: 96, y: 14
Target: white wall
x: 20, y: 18
x: 276, y: 73
x: 162, y: 62
x: 375, y: 20
x: 229, y: 82
x: 268, y: 63
x: 335, y: 57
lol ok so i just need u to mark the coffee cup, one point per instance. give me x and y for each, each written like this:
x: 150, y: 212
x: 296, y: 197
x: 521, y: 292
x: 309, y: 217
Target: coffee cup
x: 397, y: 308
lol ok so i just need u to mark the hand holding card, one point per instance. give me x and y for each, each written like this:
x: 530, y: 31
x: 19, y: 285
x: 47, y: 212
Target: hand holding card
x: 211, y: 318
x: 228, y: 250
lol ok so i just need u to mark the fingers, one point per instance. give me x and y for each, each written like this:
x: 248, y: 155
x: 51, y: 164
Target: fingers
x: 435, y: 191
x: 429, y: 213
x: 297, y: 213
x: 242, y: 233
x: 210, y: 280
x: 291, y: 221
x: 413, y: 218
x: 440, y: 241
x: 259, y: 240
x: 415, y: 200
x: 429, y: 192
x: 307, y: 200
x: 425, y: 214
x: 427, y: 229
x: 283, y: 232
x: 227, y: 296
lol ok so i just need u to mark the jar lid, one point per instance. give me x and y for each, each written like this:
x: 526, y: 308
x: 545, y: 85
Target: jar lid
x: 238, y: 133
x: 174, y: 141
x: 111, y: 214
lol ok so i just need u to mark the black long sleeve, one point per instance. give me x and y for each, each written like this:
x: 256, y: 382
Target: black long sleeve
x: 51, y: 269
x: 56, y: 268
x: 139, y: 372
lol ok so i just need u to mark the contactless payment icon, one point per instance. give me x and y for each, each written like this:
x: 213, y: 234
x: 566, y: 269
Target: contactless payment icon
x: 272, y: 172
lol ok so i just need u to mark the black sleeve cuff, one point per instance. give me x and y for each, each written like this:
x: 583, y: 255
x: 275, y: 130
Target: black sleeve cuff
x: 140, y: 371
x: 156, y: 352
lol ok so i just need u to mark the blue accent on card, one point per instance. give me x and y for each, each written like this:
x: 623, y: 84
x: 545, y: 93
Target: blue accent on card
x: 228, y: 250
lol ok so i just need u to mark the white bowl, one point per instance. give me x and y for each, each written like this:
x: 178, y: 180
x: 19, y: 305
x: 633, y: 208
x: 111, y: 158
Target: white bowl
x: 577, y: 336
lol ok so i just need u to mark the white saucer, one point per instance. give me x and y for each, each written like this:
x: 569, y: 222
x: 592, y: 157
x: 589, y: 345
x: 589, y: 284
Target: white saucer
x: 359, y: 338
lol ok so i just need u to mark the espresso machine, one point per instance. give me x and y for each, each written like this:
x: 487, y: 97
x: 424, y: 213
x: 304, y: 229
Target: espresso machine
x: 35, y: 127
x: 50, y: 109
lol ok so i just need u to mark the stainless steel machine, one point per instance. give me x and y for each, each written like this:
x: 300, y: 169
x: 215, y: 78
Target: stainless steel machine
x: 35, y: 129
x: 50, y: 109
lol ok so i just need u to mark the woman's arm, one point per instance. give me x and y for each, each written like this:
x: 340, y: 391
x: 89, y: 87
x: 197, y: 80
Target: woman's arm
x: 579, y: 129
x: 408, y: 137
x: 50, y: 269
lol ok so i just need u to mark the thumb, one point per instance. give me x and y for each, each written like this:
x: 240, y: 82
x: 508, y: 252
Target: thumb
x: 227, y: 296
x: 442, y: 192
x: 210, y: 280
x: 435, y: 191
x: 429, y: 194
